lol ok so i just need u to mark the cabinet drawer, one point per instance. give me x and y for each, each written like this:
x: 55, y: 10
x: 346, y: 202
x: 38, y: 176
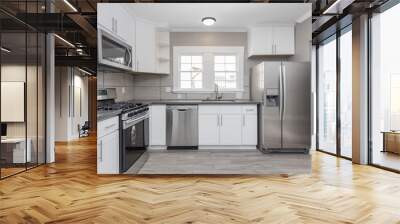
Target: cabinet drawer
x: 249, y: 109
x: 107, y: 126
x: 209, y: 109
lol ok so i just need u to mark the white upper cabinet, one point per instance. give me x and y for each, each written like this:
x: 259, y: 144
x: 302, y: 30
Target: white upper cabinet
x: 116, y: 20
x: 271, y: 40
x: 145, y: 46
x: 284, y: 38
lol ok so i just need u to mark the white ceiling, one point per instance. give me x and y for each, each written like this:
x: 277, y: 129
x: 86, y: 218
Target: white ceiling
x: 229, y: 16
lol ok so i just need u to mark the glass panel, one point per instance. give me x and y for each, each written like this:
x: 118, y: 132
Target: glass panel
x: 230, y: 67
x: 31, y: 100
x: 185, y: 84
x: 219, y: 67
x: 385, y: 95
x: 327, y: 97
x: 186, y: 59
x: 196, y: 76
x: 186, y: 67
x: 220, y: 76
x: 197, y: 84
x: 13, y: 87
x: 197, y: 59
x: 346, y: 94
x: 185, y: 75
x: 41, y: 98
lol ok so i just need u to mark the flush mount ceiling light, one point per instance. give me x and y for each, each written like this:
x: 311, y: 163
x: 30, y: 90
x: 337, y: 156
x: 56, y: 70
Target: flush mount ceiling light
x: 208, y: 21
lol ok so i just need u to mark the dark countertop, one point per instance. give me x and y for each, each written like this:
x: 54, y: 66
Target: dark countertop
x: 182, y: 102
x: 104, y: 115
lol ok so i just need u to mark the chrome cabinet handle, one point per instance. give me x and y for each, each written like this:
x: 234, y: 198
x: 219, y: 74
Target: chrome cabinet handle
x: 221, y: 120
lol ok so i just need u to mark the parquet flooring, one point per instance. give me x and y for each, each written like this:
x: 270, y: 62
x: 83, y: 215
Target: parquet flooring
x: 69, y: 191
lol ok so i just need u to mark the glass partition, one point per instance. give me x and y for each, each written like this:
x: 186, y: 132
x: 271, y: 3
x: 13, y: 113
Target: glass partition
x: 327, y: 96
x: 385, y: 89
x: 346, y: 93
x: 22, y: 77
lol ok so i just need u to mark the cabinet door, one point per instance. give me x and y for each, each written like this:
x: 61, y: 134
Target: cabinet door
x: 125, y: 26
x: 230, y: 129
x: 249, y: 129
x: 260, y: 41
x: 145, y: 47
x: 158, y: 125
x: 105, y: 16
x: 283, y: 40
x: 108, y: 154
x: 208, y: 129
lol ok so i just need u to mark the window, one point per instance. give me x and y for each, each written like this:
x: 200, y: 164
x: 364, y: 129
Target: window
x: 225, y: 71
x: 327, y: 96
x: 385, y: 89
x: 191, y: 72
x: 199, y: 69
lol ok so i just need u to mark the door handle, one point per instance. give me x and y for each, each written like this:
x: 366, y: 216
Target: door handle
x: 284, y: 90
x: 221, y: 120
x: 244, y: 120
x: 280, y: 92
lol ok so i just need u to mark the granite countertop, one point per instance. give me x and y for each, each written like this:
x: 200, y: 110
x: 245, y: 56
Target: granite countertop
x: 198, y: 101
x: 104, y: 115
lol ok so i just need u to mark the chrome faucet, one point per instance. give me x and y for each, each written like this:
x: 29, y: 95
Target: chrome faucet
x: 216, y: 90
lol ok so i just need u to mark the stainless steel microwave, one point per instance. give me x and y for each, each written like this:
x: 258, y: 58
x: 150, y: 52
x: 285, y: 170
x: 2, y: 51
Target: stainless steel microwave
x: 113, y: 52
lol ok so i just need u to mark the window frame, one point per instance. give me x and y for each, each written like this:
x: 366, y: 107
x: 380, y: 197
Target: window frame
x: 208, y: 76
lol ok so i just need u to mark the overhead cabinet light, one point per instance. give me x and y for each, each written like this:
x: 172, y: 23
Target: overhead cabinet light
x: 5, y: 50
x: 64, y: 40
x: 70, y: 5
x: 208, y: 21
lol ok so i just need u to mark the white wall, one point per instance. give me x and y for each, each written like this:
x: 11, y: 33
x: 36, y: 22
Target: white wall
x: 67, y: 114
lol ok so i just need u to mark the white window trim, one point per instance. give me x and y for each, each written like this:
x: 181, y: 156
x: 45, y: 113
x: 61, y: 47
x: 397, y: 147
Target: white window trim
x: 208, y: 71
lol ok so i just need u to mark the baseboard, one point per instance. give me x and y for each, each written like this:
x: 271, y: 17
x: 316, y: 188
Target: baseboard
x: 227, y: 147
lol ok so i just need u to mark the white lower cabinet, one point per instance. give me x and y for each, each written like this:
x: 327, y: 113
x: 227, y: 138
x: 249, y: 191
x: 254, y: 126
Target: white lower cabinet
x: 249, y: 129
x: 157, y: 123
x: 108, y: 146
x: 208, y: 129
x: 228, y: 125
x: 230, y: 132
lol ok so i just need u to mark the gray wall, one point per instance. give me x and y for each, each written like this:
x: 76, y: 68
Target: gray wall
x: 154, y: 87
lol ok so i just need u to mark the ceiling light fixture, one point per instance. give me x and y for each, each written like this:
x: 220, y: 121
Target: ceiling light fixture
x: 64, y: 40
x: 335, y: 6
x: 208, y: 21
x: 84, y: 71
x: 5, y: 50
x: 70, y: 5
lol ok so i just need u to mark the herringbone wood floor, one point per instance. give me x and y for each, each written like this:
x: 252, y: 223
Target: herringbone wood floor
x: 69, y: 191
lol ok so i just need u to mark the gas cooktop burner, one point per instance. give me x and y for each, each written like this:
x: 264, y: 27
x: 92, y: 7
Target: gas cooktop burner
x: 124, y: 106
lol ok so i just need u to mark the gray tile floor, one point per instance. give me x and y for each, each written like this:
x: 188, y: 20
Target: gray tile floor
x: 224, y: 162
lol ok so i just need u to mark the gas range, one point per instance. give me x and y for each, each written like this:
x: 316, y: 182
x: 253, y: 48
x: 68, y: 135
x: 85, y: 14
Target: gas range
x: 126, y: 109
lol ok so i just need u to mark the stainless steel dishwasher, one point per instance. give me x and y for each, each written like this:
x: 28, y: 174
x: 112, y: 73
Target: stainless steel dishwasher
x: 182, y: 126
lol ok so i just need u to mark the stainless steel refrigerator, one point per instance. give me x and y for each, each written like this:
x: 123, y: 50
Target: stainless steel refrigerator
x: 284, y: 88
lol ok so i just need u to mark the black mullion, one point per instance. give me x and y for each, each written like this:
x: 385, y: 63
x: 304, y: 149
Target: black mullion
x: 37, y: 90
x: 26, y: 87
x: 0, y: 94
x: 317, y: 96
x: 338, y: 97
x: 369, y: 91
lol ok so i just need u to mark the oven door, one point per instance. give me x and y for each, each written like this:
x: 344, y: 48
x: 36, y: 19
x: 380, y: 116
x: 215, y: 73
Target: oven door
x: 114, y: 52
x: 134, y: 139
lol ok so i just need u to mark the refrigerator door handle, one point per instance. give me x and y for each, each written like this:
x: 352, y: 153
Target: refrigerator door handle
x: 284, y: 90
x: 280, y: 92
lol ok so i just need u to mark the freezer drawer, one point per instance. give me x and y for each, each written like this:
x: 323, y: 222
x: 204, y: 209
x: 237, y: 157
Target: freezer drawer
x: 182, y: 126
